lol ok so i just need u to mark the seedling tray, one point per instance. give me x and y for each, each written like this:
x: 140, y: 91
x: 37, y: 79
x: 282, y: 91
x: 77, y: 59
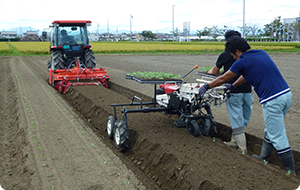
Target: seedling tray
x: 153, y: 81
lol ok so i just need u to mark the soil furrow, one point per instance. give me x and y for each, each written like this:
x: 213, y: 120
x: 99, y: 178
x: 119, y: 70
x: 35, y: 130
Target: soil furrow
x: 72, y: 133
x: 64, y: 154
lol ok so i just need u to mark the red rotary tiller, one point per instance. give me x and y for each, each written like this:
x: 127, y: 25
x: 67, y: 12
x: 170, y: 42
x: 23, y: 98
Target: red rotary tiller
x: 62, y: 79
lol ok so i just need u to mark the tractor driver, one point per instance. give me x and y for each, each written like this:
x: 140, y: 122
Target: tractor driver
x: 65, y: 38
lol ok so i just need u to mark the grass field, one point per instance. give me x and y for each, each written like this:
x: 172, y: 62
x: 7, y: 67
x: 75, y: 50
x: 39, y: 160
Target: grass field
x: 42, y: 48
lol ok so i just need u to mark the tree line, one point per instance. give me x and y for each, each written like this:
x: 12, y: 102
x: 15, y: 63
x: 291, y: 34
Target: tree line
x: 275, y: 29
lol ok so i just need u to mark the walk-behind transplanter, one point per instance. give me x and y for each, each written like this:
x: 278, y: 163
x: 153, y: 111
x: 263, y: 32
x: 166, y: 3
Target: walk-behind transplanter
x: 72, y: 61
x: 172, y: 97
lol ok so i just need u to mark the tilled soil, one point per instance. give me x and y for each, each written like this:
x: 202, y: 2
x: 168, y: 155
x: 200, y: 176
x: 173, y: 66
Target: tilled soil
x: 58, y: 141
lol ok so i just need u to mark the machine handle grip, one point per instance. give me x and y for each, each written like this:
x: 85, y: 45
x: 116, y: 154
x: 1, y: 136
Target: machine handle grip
x: 196, y: 66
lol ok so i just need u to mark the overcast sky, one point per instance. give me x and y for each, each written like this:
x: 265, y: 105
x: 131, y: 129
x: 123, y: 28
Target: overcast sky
x: 154, y: 15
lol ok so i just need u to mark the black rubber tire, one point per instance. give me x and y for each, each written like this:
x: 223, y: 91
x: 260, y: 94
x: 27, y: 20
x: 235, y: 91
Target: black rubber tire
x: 49, y: 64
x: 193, y: 128
x: 110, y: 126
x: 108, y: 84
x: 205, y: 125
x: 121, y: 136
x: 90, y: 61
x: 57, y: 61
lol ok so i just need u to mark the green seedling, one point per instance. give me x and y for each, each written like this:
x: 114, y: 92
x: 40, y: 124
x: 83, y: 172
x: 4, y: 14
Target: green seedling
x: 50, y: 175
x: 44, y: 165
x: 154, y: 75
x: 42, y: 156
x: 106, y: 161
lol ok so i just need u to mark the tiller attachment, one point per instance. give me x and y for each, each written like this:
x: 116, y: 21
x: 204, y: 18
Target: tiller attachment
x: 62, y: 79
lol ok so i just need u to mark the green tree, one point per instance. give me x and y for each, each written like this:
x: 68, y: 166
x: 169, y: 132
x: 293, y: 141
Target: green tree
x: 205, y: 32
x: 148, y: 34
x: 215, y: 32
x: 247, y: 30
x: 274, y: 27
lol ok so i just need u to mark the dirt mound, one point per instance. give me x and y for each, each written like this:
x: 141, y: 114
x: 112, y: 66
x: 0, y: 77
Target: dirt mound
x: 170, y: 156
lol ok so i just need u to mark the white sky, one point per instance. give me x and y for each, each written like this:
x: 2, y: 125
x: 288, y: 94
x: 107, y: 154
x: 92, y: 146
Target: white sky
x: 154, y: 15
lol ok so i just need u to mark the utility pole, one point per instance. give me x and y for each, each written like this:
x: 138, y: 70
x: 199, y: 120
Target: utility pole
x: 107, y: 30
x: 131, y: 28
x: 98, y: 31
x: 173, y: 20
x: 243, y: 18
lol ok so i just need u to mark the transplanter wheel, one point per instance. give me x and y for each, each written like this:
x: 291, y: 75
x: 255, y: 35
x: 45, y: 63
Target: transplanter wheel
x: 205, y: 125
x: 193, y: 128
x: 121, y: 136
x: 110, y: 127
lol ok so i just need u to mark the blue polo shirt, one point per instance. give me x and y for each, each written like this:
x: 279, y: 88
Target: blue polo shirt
x: 259, y: 70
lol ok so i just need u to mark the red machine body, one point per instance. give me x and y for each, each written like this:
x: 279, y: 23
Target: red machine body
x: 169, y: 87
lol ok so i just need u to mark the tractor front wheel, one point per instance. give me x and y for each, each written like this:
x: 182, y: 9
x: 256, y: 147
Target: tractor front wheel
x: 121, y: 136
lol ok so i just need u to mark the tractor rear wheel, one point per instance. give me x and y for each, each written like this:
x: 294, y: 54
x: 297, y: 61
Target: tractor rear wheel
x: 110, y: 127
x: 193, y: 128
x: 90, y: 61
x: 121, y: 136
x: 57, y: 61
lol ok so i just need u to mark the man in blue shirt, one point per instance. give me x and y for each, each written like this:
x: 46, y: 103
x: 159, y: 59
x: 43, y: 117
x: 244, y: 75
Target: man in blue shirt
x: 258, y: 69
x: 239, y: 105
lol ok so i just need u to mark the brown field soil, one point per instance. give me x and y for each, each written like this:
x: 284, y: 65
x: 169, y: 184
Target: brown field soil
x: 54, y: 141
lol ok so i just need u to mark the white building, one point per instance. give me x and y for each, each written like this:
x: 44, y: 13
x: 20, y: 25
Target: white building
x: 8, y: 34
x: 93, y: 37
x: 292, y: 31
